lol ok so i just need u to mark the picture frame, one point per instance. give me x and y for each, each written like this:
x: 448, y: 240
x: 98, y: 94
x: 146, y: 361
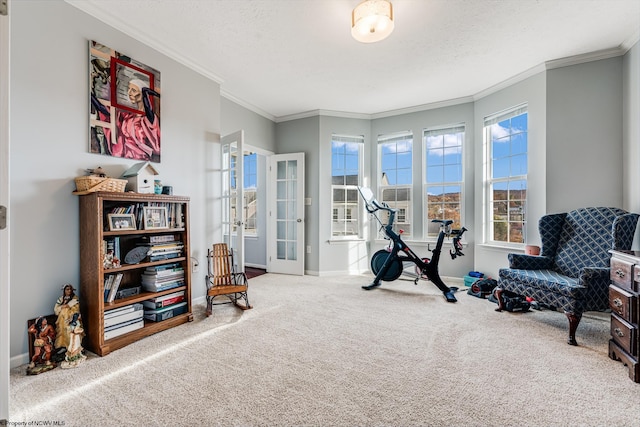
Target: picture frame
x: 155, y: 218
x: 118, y: 222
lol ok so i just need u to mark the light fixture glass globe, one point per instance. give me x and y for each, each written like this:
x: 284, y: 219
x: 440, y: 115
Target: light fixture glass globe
x: 372, y: 21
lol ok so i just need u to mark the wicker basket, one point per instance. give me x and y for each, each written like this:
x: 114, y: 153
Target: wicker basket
x: 91, y: 184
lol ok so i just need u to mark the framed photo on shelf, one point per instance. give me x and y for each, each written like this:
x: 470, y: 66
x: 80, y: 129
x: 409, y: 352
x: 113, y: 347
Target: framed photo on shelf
x: 155, y: 218
x: 119, y: 222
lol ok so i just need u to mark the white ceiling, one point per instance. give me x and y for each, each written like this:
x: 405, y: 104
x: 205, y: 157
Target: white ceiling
x: 287, y: 57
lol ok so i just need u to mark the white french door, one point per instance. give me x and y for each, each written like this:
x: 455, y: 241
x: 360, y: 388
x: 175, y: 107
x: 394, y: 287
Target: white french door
x: 5, y: 330
x: 233, y: 195
x: 285, y: 251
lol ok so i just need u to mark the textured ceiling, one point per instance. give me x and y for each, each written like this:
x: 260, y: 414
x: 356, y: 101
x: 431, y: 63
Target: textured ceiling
x: 287, y: 57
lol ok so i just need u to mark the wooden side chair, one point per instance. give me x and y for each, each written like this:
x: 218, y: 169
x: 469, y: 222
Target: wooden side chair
x: 223, y: 280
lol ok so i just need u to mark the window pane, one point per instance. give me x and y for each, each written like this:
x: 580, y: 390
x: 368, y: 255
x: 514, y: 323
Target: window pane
x: 519, y: 165
x: 435, y: 174
x: 501, y: 168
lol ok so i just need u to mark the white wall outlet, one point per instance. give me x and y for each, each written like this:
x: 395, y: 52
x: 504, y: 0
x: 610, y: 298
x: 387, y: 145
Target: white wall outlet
x: 308, y: 249
x: 195, y: 265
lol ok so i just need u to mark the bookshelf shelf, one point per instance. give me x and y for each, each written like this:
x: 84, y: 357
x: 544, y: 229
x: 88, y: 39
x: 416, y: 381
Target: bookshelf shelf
x: 95, y: 236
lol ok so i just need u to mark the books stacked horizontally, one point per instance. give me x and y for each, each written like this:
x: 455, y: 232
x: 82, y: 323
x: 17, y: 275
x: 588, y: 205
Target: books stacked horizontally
x: 123, y: 320
x: 164, y: 307
x: 163, y: 247
x: 162, y: 277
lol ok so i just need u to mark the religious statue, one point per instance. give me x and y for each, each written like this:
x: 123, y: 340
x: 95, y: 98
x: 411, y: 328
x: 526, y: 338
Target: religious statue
x: 69, y: 327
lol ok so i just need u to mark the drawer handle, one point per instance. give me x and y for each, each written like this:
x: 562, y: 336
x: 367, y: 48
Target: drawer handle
x: 619, y: 332
x: 620, y: 273
x: 617, y: 302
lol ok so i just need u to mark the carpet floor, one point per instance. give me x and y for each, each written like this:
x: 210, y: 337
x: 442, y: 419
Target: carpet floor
x: 318, y: 351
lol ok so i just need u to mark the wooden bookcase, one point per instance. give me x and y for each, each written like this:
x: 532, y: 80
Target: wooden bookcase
x: 94, y: 231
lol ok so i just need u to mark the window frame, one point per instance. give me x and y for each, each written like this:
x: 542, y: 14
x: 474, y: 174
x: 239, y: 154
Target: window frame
x: 350, y: 207
x: 384, y: 139
x: 490, y: 181
x: 436, y: 131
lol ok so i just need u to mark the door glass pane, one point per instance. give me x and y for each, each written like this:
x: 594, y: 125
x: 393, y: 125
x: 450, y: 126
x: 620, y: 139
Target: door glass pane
x: 282, y: 190
x: 293, y: 186
x: 291, y: 251
x: 291, y: 230
x: 281, y: 250
x: 292, y: 211
x: 293, y: 169
x: 282, y: 170
x: 282, y: 231
x: 282, y: 210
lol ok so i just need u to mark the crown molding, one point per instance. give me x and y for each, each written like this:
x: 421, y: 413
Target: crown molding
x: 422, y: 107
x: 247, y: 105
x: 113, y: 21
x: 585, y: 57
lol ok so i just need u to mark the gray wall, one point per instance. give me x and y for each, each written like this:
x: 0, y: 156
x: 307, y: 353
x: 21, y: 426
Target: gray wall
x: 302, y: 136
x: 531, y: 91
x: 631, y: 133
x: 49, y: 124
x: 584, y: 135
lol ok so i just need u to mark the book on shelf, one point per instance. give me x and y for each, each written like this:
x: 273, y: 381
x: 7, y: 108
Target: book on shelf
x: 108, y: 282
x: 164, y: 300
x: 165, y: 256
x: 114, y: 287
x: 121, y: 310
x: 161, y: 238
x: 155, y: 280
x: 164, y: 313
x: 163, y: 270
x: 116, y: 321
x: 158, y: 287
x: 124, y: 328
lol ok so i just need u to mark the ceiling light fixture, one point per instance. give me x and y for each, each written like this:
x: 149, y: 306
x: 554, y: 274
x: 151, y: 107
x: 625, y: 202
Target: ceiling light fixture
x: 372, y: 21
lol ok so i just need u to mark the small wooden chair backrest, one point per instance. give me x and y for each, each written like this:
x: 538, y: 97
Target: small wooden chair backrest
x: 222, y: 260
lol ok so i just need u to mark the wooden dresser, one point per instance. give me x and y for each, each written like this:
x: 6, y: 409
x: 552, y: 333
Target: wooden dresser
x: 624, y: 300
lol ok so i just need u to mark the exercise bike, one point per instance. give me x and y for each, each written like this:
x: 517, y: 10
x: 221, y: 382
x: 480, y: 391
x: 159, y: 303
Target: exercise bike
x: 388, y: 264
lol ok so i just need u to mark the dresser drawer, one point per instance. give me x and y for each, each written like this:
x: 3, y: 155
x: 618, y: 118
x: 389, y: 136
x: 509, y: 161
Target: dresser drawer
x: 624, y: 334
x: 624, y: 304
x: 622, y: 274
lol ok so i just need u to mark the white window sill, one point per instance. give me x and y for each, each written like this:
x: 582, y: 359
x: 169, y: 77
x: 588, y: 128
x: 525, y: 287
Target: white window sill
x: 502, y: 248
x: 346, y: 240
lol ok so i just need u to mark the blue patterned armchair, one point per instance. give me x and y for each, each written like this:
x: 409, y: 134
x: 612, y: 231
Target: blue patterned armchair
x: 572, y: 272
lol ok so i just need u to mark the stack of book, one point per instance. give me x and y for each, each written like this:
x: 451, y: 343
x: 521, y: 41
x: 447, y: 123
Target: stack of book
x: 162, y: 247
x: 122, y: 320
x: 163, y: 301
x: 164, y: 313
x: 162, y: 251
x: 162, y: 277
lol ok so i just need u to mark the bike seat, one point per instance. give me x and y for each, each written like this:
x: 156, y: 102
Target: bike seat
x: 443, y: 221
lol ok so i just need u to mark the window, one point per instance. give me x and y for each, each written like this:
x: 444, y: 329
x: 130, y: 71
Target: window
x: 250, y: 182
x: 443, y: 176
x: 506, y: 136
x: 395, y: 153
x: 346, y: 171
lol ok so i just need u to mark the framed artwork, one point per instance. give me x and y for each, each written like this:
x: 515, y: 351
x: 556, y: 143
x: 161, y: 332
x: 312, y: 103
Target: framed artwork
x: 124, y: 107
x: 121, y: 222
x: 155, y: 218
